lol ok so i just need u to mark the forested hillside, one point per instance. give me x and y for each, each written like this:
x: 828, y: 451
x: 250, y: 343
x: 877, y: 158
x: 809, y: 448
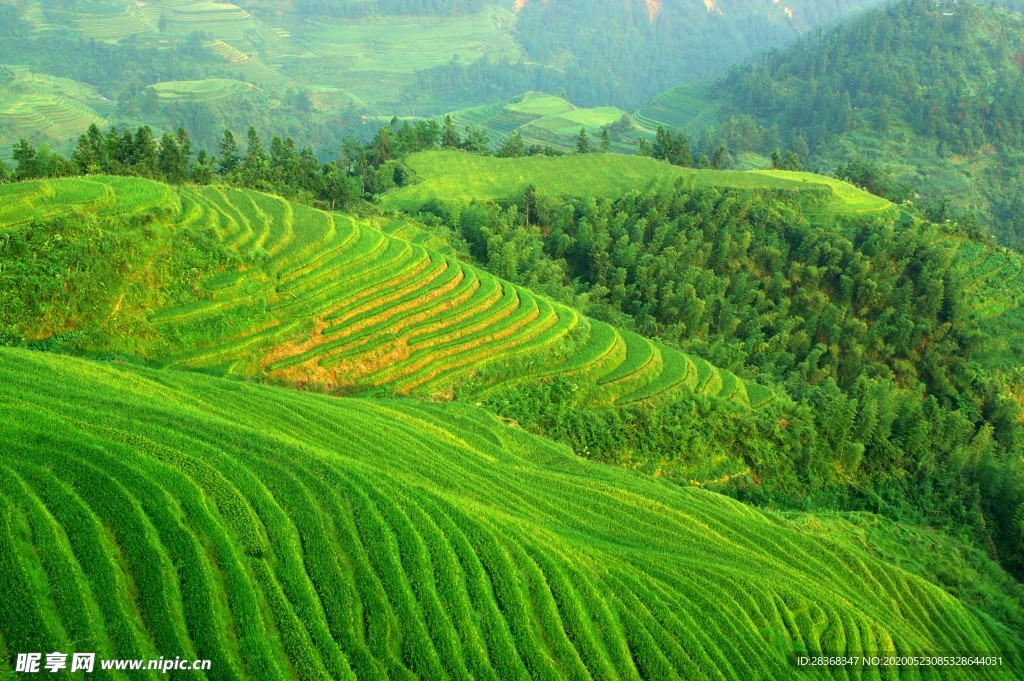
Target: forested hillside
x: 918, y: 96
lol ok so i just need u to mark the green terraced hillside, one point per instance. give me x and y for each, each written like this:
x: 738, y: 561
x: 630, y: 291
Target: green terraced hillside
x: 687, y: 107
x: 283, y: 535
x: 37, y: 106
x: 244, y: 283
x: 851, y: 199
x: 203, y: 90
x: 455, y: 175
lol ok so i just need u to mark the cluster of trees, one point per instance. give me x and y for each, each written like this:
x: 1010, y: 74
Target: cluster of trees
x: 360, y: 172
x: 864, y: 328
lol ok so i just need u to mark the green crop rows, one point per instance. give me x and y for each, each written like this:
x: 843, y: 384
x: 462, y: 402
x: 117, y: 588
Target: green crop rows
x: 287, y: 535
x: 686, y: 108
x: 325, y: 302
x: 408, y: 44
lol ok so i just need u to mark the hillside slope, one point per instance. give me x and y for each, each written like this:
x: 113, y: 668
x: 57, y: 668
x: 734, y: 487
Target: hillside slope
x: 284, y: 535
x: 248, y: 284
x: 456, y: 175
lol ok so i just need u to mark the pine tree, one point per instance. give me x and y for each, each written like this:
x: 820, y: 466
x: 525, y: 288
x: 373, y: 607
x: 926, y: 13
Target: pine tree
x: 477, y: 140
x: 24, y: 155
x: 229, y: 158
x: 513, y: 147
x: 89, y: 155
x: 606, y: 140
x: 582, y: 142
x: 449, y: 136
x: 144, y: 152
x: 184, y: 143
x: 202, y: 169
x: 170, y: 161
x: 718, y: 158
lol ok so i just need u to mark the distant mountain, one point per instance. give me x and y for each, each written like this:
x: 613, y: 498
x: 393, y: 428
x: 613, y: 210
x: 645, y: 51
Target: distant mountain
x: 317, y: 67
x: 932, y: 89
x: 623, y: 51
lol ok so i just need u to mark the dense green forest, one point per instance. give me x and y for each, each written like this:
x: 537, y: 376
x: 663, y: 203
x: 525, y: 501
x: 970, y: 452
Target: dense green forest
x: 865, y: 326
x: 932, y: 93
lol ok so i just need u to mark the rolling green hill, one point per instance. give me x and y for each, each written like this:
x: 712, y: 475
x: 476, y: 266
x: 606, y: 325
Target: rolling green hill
x: 455, y: 175
x: 247, y: 284
x: 284, y: 535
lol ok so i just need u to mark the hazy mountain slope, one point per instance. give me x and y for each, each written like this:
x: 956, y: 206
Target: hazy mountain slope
x: 655, y: 45
x: 933, y: 89
x: 317, y: 67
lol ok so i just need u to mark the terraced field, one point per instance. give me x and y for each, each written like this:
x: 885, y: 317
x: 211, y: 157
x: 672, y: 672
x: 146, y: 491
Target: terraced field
x: 541, y: 104
x: 330, y: 303
x: 252, y: 69
x: 200, y: 90
x: 221, y: 19
x: 59, y: 109
x: 113, y: 21
x: 453, y: 175
x: 684, y: 108
x: 53, y: 116
x: 409, y: 44
x: 285, y: 535
x: 852, y: 199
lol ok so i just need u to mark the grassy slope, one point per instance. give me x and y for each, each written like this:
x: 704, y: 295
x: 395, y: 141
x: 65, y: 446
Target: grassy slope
x: 200, y: 90
x: 457, y: 175
x: 851, y: 198
x: 248, y: 284
x: 286, y: 535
